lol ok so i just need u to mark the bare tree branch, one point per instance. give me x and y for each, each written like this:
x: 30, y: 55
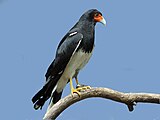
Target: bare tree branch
x: 130, y: 99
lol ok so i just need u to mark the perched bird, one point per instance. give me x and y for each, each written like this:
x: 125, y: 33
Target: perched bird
x: 73, y: 53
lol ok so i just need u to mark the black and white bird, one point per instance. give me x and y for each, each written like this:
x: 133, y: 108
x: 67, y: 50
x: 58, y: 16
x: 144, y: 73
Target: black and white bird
x: 73, y: 53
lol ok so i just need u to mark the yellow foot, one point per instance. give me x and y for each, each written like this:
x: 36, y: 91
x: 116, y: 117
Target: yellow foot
x: 79, y: 89
x: 82, y: 87
x: 75, y: 91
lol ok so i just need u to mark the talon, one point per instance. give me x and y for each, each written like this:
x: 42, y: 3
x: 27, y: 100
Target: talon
x: 75, y: 91
x: 79, y: 87
x: 88, y: 87
x: 82, y: 87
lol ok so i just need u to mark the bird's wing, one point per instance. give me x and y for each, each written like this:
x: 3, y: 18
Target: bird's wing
x: 67, y: 47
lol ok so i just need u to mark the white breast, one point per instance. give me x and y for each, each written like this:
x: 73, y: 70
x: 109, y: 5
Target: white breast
x: 77, y: 62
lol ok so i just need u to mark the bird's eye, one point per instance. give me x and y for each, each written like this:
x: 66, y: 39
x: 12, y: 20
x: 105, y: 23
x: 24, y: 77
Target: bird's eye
x: 96, y: 14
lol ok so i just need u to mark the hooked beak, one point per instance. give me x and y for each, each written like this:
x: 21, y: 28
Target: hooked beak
x: 103, y: 21
x: 99, y: 18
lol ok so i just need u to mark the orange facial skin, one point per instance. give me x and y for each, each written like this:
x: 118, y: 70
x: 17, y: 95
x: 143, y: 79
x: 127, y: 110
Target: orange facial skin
x: 98, y: 17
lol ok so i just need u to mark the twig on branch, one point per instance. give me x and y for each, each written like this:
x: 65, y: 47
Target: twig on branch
x: 130, y: 99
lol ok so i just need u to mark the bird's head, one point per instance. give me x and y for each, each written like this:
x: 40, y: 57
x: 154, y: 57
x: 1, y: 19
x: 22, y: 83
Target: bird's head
x: 94, y: 16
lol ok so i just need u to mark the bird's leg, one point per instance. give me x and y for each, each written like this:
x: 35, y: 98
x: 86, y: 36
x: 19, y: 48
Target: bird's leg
x: 77, y: 81
x: 81, y: 87
x: 72, y: 88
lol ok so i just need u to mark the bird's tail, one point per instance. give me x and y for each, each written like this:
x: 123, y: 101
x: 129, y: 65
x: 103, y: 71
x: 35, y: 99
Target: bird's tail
x: 55, y: 98
x: 44, y: 94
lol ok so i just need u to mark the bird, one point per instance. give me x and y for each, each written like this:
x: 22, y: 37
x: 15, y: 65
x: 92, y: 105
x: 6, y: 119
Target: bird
x: 72, y: 54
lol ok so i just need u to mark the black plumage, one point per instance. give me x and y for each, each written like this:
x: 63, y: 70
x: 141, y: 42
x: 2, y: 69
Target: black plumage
x: 78, y: 41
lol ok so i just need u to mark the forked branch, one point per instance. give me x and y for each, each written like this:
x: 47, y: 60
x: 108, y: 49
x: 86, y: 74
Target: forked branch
x: 130, y: 99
